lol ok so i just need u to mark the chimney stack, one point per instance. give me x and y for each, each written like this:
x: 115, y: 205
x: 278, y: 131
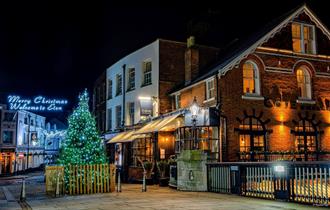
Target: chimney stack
x: 191, y: 60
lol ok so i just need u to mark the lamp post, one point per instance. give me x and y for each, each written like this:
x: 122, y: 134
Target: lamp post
x: 28, y: 145
x: 194, y: 109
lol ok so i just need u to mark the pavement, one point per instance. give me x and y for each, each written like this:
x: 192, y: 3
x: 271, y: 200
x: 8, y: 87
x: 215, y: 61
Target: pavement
x: 131, y: 197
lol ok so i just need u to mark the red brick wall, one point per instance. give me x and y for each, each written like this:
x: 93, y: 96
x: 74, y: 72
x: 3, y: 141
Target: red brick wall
x: 272, y: 84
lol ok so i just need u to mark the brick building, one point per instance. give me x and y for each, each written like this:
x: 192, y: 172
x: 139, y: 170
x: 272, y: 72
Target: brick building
x: 99, y: 102
x: 272, y: 93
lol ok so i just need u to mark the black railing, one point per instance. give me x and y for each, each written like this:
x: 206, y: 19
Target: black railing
x: 304, y: 182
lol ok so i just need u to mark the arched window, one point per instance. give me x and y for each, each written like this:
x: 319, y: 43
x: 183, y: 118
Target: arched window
x: 304, y: 83
x: 252, y: 138
x: 250, y: 78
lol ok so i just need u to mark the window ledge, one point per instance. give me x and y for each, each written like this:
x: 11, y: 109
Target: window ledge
x: 144, y: 85
x: 305, y: 101
x: 253, y: 97
x: 209, y: 100
x: 130, y: 89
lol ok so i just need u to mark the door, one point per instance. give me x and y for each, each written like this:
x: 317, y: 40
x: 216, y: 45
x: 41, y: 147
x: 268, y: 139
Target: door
x: 5, y: 164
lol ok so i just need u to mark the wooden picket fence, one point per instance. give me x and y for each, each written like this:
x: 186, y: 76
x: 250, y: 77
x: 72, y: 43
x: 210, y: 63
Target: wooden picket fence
x: 82, y: 179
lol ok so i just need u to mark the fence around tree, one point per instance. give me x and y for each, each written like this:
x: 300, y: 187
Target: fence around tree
x: 303, y: 182
x: 82, y: 179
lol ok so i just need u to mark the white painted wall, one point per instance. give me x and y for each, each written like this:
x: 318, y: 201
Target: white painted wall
x: 134, y: 60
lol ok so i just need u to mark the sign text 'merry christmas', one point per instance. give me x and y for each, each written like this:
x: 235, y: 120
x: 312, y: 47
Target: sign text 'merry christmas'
x: 38, y: 103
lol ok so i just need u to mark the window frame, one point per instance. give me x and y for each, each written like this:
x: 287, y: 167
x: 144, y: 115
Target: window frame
x: 109, y: 120
x: 119, y: 85
x: 255, y: 79
x: 307, y: 83
x: 118, y: 116
x: 177, y: 101
x: 302, y: 38
x: 131, y: 112
x: 208, y: 90
x: 131, y: 80
x: 145, y: 73
x: 110, y: 84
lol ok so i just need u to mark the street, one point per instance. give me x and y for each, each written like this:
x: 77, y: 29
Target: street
x: 131, y: 197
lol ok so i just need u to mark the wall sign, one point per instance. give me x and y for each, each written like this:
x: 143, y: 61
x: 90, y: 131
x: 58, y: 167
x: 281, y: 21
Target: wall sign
x: 38, y: 103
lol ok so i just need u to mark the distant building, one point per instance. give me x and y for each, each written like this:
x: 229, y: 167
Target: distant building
x: 55, y: 134
x: 99, y: 102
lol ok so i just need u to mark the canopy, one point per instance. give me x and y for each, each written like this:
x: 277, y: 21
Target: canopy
x: 169, y: 123
x: 126, y: 136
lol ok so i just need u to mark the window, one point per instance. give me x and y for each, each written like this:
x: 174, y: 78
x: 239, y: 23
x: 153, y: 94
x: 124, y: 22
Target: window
x: 306, y: 139
x: 119, y: 82
x: 109, y: 89
x: 250, y: 78
x: 142, y: 149
x: 146, y: 73
x: 303, y: 38
x: 131, y: 79
x: 118, y: 116
x: 177, y: 101
x: 109, y: 119
x: 9, y: 116
x: 131, y: 112
x: 8, y: 137
x: 252, y: 135
x: 32, y: 122
x: 210, y: 90
x: 25, y: 120
x: 304, y: 83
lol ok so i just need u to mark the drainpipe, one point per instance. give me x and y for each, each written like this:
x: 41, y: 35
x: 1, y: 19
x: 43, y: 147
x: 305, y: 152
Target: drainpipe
x: 218, y: 106
x: 124, y: 92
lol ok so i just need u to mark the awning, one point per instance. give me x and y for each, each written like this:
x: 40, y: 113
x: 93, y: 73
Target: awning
x: 169, y: 123
x: 122, y: 137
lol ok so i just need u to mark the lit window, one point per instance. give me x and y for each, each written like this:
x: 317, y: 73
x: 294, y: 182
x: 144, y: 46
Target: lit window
x: 177, y: 101
x: 131, y: 79
x: 303, y: 38
x: 146, y: 73
x: 109, y: 89
x: 250, y: 78
x: 304, y: 83
x: 119, y: 84
x: 118, y: 116
x: 210, y: 90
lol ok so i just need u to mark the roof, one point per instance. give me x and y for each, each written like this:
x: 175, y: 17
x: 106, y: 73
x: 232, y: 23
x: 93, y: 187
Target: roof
x: 238, y: 51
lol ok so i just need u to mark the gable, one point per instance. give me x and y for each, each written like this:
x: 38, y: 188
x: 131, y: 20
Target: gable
x: 283, y: 38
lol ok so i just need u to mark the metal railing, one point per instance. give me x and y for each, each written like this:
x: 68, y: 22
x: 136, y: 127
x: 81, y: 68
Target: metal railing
x: 303, y: 182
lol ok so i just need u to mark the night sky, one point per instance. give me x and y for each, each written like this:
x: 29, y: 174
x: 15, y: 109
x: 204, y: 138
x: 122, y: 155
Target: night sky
x: 58, y: 49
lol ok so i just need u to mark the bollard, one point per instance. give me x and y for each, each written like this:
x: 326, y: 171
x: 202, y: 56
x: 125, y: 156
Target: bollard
x: 23, y: 195
x: 144, y: 187
x: 119, y: 182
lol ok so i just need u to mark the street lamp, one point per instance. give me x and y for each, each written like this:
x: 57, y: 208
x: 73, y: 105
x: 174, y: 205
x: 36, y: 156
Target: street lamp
x: 194, y: 109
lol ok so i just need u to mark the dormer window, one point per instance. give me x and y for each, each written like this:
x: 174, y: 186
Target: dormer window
x: 303, y: 38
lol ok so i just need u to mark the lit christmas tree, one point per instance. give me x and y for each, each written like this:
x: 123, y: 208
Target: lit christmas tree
x: 82, y: 144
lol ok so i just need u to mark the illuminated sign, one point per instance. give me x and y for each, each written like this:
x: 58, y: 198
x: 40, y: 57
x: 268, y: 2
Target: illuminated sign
x: 38, y: 103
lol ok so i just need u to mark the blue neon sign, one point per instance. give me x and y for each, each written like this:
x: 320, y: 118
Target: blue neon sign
x: 38, y: 103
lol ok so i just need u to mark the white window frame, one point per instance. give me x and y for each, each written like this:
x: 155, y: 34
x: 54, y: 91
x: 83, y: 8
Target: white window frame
x: 256, y: 79
x: 302, y: 37
x: 130, y: 80
x: 119, y: 86
x: 177, y: 100
x: 109, y: 119
x: 110, y: 84
x: 118, y: 116
x: 209, y: 89
x: 130, y: 113
x: 144, y: 68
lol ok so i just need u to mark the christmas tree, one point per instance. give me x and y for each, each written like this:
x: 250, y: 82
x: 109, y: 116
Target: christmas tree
x: 82, y: 144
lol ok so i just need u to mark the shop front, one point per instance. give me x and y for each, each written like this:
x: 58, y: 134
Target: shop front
x: 7, y: 161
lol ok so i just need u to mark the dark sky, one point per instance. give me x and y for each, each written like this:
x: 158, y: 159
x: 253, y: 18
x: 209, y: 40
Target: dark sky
x: 57, y: 49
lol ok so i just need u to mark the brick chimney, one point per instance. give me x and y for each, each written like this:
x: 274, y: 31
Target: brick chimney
x: 191, y: 60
